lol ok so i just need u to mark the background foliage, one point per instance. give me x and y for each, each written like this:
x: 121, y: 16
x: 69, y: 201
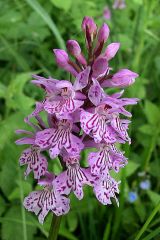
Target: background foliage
x: 29, y: 30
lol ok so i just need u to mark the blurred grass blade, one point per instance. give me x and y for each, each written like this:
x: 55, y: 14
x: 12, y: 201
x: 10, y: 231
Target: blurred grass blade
x: 107, y: 230
x: 153, y: 234
x: 20, y: 60
x: 28, y: 223
x: 68, y: 235
x: 143, y: 229
x: 119, y: 211
x: 150, y: 33
x: 42, y: 12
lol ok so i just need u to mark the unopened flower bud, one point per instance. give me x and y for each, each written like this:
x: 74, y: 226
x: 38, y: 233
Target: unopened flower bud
x: 61, y: 57
x: 119, y: 4
x: 62, y: 60
x: 102, y: 37
x: 73, y: 47
x: 111, y: 50
x: 103, y: 33
x: 107, y: 13
x: 88, y: 23
x: 90, y: 29
x: 124, y: 77
x: 121, y: 79
x: 75, y: 50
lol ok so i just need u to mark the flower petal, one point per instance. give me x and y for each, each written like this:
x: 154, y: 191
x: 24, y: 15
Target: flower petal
x: 106, y: 189
x: 95, y: 93
x: 82, y: 79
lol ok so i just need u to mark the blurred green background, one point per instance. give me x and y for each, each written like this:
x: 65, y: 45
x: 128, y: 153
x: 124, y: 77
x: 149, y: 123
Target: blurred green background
x: 29, y: 30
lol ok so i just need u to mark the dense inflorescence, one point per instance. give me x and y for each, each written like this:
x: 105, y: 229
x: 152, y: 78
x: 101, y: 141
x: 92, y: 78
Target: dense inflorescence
x: 80, y: 115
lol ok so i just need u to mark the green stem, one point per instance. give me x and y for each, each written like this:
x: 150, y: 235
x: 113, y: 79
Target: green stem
x: 24, y: 225
x: 54, y: 228
x: 143, y: 229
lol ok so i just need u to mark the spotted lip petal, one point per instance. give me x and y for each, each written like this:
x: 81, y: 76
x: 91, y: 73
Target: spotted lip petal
x: 121, y: 126
x: 64, y: 101
x: 107, y: 158
x: 63, y: 106
x: 57, y: 139
x: 73, y: 179
x: 105, y: 189
x: 96, y: 126
x: 41, y: 202
x: 35, y: 160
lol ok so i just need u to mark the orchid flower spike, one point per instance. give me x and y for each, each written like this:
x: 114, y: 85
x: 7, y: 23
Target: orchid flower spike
x: 80, y: 114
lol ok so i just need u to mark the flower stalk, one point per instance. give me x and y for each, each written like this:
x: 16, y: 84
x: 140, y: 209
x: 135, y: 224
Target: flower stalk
x: 54, y: 228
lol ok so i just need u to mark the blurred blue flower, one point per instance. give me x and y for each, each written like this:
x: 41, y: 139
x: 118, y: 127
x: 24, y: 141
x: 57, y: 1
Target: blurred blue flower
x: 132, y: 197
x: 145, y: 185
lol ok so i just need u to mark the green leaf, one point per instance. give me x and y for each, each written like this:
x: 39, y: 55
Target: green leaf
x: 139, y: 2
x: 150, y: 218
x: 2, y: 90
x: 62, y: 4
x: 65, y: 233
x: 154, y: 168
x: 45, y: 16
x: 138, y: 88
x: 19, y: 58
x: 2, y: 205
x: 125, y: 41
x: 16, y: 99
x: 9, y: 168
x: 157, y: 63
x: 141, y: 210
x: 15, y: 194
x: 154, y: 197
x: 72, y: 221
x: 147, y: 129
x: 17, y: 83
x: 128, y: 218
x: 154, y: 233
x: 12, y: 225
x: 152, y: 112
x: 8, y: 127
x: 131, y: 168
x: 107, y: 230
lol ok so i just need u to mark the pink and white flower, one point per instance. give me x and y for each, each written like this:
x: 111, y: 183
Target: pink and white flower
x: 49, y: 199
x: 107, y: 158
x: 57, y: 139
x: 106, y: 188
x: 74, y: 177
